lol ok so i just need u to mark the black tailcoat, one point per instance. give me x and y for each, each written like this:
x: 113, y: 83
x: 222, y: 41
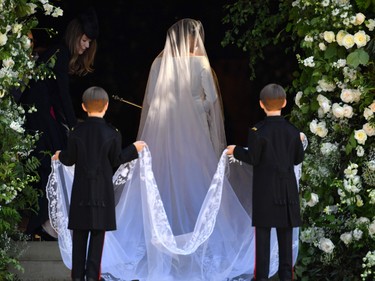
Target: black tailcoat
x: 95, y: 149
x: 274, y: 147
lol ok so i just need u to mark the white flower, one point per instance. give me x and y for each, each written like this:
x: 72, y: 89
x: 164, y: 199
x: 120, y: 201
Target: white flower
x: 48, y: 8
x: 309, y: 38
x: 368, y: 113
x: 346, y: 237
x: 371, y: 165
x: 8, y: 63
x: 360, y: 39
x: 324, y: 103
x: 297, y: 99
x: 16, y: 126
x: 314, y: 199
x: 360, y: 151
x: 321, y: 129
x: 370, y: 24
x: 351, y: 170
x: 325, y: 3
x: 326, y: 245
x: 43, y: 1
x: 329, y: 36
x: 57, y: 12
x: 348, y: 41
x: 347, y: 95
x: 32, y: 8
x: 348, y: 111
x: 360, y: 136
x: 359, y: 19
x: 309, y: 62
x: 359, y: 202
x: 369, y: 130
x: 337, y: 111
x: 327, y: 147
x: 357, y: 234
x: 322, y: 47
x: 325, y: 86
x: 3, y: 39
x: 372, y: 106
x: 371, y: 228
x: 339, y: 36
x: 16, y: 28
x: 335, y: 12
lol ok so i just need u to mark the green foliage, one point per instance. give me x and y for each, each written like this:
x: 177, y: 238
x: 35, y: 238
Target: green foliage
x: 254, y: 25
x: 335, y: 108
x: 17, y: 167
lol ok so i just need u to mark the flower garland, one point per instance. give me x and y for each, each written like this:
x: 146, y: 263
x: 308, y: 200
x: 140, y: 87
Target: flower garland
x: 335, y: 106
x: 17, y: 168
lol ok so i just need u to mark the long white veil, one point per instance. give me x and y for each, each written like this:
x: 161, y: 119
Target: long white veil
x: 178, y: 211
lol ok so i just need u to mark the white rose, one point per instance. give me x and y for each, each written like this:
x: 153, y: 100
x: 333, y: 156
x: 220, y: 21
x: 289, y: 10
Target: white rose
x: 372, y: 106
x: 337, y: 111
x: 321, y: 129
x: 360, y: 136
x: 326, y: 245
x: 348, y: 41
x: 346, y: 237
x: 347, y: 95
x: 3, y: 39
x: 322, y: 47
x: 329, y: 36
x: 314, y: 199
x: 368, y: 113
x: 371, y: 228
x: 359, y: 19
x: 340, y: 35
x: 313, y: 126
x: 369, y: 130
x: 360, y: 39
x: 348, y: 111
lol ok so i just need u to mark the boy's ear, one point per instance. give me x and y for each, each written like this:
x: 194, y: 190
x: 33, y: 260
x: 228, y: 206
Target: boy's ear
x: 284, y: 104
x: 261, y: 104
x: 106, y: 106
x: 84, y: 107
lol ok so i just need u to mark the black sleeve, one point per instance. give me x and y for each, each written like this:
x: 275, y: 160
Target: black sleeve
x: 68, y: 156
x: 119, y: 156
x: 253, y: 153
x: 61, y: 71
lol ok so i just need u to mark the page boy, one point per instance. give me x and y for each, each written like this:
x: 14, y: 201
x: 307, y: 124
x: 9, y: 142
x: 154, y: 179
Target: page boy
x: 95, y: 149
x: 274, y: 147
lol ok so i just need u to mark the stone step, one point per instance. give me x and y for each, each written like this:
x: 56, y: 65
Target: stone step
x: 42, y: 262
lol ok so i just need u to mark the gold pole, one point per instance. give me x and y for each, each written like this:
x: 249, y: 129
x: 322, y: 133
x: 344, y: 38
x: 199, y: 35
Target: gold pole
x: 125, y: 101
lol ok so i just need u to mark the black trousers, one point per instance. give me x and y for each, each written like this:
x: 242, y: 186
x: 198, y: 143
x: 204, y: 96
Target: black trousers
x: 262, y: 252
x: 89, y: 265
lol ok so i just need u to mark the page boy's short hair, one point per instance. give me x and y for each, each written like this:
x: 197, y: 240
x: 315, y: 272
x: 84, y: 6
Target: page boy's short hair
x: 95, y: 99
x: 273, y: 97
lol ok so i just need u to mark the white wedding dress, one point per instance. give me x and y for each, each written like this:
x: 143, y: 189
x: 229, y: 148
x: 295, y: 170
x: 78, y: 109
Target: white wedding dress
x: 183, y: 211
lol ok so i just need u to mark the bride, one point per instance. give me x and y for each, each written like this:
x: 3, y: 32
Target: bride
x: 178, y: 213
